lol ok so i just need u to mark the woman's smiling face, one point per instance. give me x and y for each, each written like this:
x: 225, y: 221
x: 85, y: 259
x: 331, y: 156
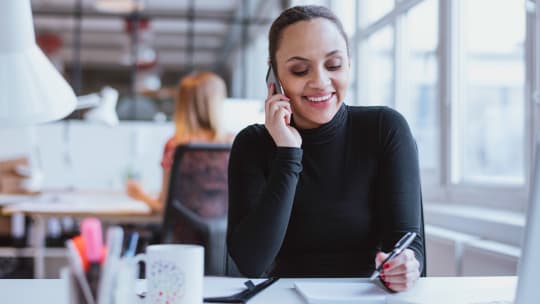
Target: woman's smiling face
x: 313, y: 68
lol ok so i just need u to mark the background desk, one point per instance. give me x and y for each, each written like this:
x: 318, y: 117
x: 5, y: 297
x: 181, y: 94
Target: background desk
x: 110, y: 207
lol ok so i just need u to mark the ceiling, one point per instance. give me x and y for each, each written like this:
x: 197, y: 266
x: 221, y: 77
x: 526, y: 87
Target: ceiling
x: 183, y: 33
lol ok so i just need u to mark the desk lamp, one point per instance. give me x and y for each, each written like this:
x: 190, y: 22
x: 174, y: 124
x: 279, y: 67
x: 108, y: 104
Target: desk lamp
x: 102, y: 106
x: 31, y: 89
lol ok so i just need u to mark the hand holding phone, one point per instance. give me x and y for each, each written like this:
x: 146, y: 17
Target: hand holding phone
x: 272, y: 79
x: 279, y: 113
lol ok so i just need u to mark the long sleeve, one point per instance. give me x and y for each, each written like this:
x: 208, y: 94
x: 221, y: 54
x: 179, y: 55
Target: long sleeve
x: 398, y: 184
x: 262, y: 184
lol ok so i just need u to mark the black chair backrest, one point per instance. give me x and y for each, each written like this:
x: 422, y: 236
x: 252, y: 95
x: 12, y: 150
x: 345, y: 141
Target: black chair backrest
x: 197, y: 201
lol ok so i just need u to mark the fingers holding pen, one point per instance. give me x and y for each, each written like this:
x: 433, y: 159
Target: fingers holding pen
x: 402, y: 272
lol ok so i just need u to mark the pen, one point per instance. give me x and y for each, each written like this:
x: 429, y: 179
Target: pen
x: 76, y: 266
x: 132, y: 246
x: 115, y: 238
x: 403, y: 243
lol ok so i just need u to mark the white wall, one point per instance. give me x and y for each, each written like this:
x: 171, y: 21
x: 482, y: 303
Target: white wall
x: 84, y: 155
x: 81, y: 154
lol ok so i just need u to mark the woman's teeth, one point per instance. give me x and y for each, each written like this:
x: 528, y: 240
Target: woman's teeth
x: 319, y: 99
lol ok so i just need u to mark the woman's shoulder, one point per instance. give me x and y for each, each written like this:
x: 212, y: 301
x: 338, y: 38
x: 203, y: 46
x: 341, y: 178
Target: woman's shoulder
x: 382, y: 116
x: 254, y: 132
x: 372, y: 110
x: 253, y: 135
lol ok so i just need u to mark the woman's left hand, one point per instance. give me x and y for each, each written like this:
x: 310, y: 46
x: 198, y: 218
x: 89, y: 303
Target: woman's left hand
x: 400, y: 273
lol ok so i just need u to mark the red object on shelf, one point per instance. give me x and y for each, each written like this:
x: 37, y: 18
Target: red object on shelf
x: 49, y: 42
x: 144, y: 24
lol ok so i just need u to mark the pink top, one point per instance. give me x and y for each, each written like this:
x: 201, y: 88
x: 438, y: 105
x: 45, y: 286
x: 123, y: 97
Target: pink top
x: 170, y: 147
x: 168, y: 154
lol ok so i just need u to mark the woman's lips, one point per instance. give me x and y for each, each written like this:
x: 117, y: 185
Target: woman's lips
x: 320, y: 101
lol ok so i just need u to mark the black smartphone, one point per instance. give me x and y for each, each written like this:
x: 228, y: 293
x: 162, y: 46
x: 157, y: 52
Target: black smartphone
x: 245, y: 295
x: 271, y: 78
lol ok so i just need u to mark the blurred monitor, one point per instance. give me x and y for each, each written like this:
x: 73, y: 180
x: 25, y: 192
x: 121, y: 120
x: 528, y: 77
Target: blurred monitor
x: 528, y: 290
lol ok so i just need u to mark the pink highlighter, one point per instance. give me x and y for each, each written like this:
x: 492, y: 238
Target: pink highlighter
x: 93, y: 238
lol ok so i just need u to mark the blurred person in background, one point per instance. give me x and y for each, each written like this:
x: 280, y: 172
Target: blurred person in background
x: 198, y: 106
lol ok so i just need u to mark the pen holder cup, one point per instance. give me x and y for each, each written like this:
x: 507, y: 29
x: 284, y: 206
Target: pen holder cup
x: 174, y: 273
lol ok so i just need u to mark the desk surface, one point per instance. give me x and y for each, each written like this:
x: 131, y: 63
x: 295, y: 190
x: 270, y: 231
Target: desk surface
x: 441, y: 290
x: 79, y: 203
x: 31, y: 291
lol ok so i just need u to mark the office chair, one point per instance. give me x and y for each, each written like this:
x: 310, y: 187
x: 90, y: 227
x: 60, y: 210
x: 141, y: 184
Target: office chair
x: 197, y: 201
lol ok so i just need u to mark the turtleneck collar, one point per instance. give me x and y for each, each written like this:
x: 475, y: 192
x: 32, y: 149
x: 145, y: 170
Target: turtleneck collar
x: 325, y: 132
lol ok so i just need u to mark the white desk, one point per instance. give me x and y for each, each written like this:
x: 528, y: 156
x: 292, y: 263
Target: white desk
x: 110, y: 207
x: 31, y: 291
x: 440, y: 290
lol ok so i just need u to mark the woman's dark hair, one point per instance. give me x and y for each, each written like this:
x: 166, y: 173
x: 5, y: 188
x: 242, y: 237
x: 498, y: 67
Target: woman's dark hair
x: 293, y: 15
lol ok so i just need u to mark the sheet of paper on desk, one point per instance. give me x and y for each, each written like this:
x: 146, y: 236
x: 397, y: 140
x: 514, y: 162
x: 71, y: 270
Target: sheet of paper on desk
x: 341, y: 293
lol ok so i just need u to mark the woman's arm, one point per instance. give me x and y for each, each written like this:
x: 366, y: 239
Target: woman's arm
x: 259, y: 205
x: 156, y: 204
x: 398, y: 205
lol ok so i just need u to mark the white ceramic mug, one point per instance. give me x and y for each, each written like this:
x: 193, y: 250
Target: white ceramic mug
x: 174, y: 273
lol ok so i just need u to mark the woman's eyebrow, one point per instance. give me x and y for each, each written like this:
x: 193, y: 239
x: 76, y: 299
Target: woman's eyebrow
x: 332, y: 53
x: 297, y: 58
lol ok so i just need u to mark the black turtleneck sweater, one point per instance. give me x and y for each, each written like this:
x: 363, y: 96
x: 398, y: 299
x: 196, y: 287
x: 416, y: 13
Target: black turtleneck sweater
x: 324, y: 209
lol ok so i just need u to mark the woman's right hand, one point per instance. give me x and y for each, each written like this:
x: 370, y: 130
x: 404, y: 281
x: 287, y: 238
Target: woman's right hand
x: 278, y: 120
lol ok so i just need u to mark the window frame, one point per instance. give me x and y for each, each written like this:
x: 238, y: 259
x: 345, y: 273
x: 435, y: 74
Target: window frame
x: 437, y: 183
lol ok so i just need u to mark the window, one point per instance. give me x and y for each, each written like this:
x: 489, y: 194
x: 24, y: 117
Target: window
x: 376, y: 69
x: 373, y: 10
x: 417, y: 79
x: 460, y: 80
x: 345, y: 9
x: 490, y: 107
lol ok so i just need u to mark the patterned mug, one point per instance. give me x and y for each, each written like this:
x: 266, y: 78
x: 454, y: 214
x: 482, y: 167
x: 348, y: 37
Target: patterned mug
x: 174, y: 273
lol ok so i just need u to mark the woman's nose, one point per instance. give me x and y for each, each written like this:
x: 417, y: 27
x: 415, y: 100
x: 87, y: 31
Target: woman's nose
x: 319, y: 79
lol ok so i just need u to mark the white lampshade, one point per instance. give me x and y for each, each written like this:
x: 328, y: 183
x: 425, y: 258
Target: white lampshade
x: 31, y: 89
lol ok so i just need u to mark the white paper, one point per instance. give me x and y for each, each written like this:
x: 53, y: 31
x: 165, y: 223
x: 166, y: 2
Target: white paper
x: 342, y: 293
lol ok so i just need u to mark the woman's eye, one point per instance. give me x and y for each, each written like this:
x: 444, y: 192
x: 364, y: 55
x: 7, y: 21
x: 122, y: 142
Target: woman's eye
x: 299, y: 73
x: 334, y: 67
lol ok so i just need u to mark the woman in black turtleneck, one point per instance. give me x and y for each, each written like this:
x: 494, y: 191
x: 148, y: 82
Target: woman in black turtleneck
x: 322, y: 189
